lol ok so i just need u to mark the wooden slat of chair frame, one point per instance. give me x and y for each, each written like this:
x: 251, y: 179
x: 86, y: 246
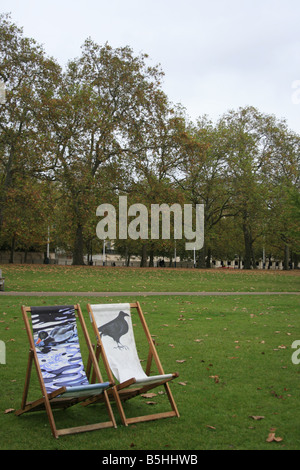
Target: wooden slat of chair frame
x: 129, y: 388
x: 55, y: 399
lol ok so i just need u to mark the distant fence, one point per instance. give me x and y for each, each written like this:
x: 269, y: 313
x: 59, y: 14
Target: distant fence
x: 117, y: 260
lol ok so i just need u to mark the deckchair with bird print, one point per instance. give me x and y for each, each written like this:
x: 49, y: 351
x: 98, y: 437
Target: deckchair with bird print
x: 55, y: 352
x: 116, y: 345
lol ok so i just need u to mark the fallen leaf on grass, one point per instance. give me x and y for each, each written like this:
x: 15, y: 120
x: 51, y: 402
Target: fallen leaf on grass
x: 215, y: 377
x: 257, y: 418
x: 181, y: 360
x: 148, y: 395
x: 210, y: 427
x: 182, y: 383
x: 9, y: 410
x: 271, y: 437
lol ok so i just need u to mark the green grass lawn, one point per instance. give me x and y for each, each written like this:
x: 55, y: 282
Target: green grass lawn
x: 235, y: 365
x: 53, y: 278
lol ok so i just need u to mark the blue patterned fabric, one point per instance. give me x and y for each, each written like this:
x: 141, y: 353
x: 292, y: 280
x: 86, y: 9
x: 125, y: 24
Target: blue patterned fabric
x: 57, y: 345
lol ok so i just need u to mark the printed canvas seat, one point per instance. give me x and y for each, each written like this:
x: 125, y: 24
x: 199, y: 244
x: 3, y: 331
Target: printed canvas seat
x: 116, y: 345
x: 55, y: 351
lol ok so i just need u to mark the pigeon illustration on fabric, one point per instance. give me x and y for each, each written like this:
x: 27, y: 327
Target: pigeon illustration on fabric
x: 116, y: 328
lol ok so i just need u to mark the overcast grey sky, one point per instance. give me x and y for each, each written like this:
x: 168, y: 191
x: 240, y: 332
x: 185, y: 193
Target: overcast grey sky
x: 216, y: 55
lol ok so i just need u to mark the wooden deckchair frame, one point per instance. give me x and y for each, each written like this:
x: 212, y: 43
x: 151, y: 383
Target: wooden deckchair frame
x: 121, y: 392
x: 50, y: 401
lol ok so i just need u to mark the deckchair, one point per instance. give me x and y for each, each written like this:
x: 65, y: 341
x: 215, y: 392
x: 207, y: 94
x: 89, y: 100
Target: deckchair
x: 116, y: 345
x: 55, y: 351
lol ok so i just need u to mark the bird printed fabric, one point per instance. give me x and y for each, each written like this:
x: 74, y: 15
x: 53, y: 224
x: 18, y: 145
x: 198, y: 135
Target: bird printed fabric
x: 114, y: 324
x: 116, y: 328
x: 57, y: 346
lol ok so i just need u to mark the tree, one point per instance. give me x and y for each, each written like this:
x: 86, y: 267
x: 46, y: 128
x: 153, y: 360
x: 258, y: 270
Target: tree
x: 240, y: 167
x: 203, y: 176
x: 108, y: 99
x: 249, y: 164
x: 26, y: 216
x: 285, y: 176
x: 30, y: 77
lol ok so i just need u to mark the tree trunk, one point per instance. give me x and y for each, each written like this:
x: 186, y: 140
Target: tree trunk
x: 286, y: 257
x: 78, y: 247
x: 144, y: 256
x: 12, y: 249
x: 295, y: 259
x: 201, y: 258
x: 127, y: 257
x: 249, y: 254
x: 7, y: 185
x: 208, y: 257
x: 151, y: 261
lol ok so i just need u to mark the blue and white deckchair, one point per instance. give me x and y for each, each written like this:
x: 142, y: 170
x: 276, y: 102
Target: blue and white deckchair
x: 55, y: 351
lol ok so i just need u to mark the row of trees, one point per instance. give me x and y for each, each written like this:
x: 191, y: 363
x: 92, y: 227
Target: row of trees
x: 74, y: 138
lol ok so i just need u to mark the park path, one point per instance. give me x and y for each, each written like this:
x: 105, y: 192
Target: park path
x: 134, y: 294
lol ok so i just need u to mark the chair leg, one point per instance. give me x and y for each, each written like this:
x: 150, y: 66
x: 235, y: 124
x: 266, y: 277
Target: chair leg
x: 27, y: 379
x: 171, y: 399
x: 109, y: 409
x: 51, y: 418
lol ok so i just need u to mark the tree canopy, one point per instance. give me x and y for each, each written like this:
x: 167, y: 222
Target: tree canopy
x: 74, y: 138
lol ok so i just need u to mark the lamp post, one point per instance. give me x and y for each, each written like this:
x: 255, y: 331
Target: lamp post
x: 47, y: 260
x: 175, y: 247
x: 104, y: 252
